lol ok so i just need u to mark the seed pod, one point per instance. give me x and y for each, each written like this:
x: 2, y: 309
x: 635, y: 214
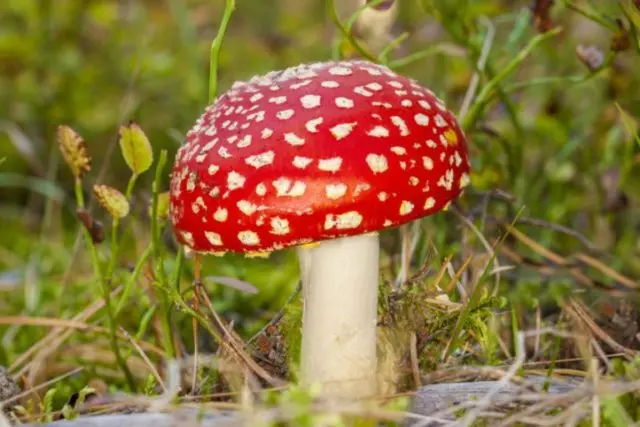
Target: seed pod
x: 136, y: 148
x: 112, y: 200
x: 74, y: 151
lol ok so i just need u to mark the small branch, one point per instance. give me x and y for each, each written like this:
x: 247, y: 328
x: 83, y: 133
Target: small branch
x: 278, y: 315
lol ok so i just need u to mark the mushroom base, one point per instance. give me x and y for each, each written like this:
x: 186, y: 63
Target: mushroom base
x: 340, y: 287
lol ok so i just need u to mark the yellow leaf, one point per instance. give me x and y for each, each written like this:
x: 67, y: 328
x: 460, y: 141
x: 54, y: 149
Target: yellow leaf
x: 112, y: 200
x: 74, y: 151
x: 136, y: 148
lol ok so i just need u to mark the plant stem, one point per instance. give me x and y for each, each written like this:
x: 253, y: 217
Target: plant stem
x: 79, y: 195
x: 113, y: 336
x: 132, y: 279
x: 130, y: 185
x: 591, y: 15
x: 106, y: 292
x: 216, y: 45
x: 158, y: 262
x: 485, y: 94
x: 346, y: 31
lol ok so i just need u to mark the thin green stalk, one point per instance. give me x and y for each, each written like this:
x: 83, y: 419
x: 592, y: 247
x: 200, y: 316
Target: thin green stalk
x: 130, y: 185
x: 514, y: 330
x: 216, y: 45
x: 79, y: 195
x: 114, y: 246
x: 383, y: 57
x: 346, y: 32
x: 178, y: 269
x: 487, y: 91
x: 155, y: 228
x: 104, y: 285
x: 156, y: 250
x: 113, y: 335
x: 417, y: 56
x: 132, y: 279
x: 548, y: 80
x: 591, y: 15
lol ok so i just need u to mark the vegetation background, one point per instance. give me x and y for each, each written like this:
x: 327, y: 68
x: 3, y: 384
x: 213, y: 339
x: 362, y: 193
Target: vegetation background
x: 556, y: 166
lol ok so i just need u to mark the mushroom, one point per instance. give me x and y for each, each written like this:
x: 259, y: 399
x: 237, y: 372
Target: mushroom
x: 320, y: 156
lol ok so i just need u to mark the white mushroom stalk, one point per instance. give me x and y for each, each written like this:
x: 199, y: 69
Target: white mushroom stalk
x: 340, y: 287
x: 327, y: 154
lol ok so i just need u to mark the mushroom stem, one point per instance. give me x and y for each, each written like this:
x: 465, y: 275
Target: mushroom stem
x: 340, y: 288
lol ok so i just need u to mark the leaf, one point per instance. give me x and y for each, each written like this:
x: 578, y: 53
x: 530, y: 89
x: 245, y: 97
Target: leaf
x: 136, y: 148
x: 112, y: 200
x: 74, y: 151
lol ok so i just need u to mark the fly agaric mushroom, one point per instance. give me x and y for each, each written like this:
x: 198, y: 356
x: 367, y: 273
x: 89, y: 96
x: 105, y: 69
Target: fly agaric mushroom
x: 328, y: 153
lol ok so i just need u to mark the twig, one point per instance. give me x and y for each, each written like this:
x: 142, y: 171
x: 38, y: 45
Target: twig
x: 232, y: 341
x: 144, y: 357
x: 561, y: 229
x: 278, y: 315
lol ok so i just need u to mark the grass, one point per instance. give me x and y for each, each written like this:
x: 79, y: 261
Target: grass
x: 532, y: 274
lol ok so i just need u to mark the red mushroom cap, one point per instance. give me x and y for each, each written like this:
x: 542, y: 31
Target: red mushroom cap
x: 315, y: 152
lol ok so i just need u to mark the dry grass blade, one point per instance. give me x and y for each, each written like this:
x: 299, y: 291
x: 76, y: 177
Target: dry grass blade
x: 146, y: 359
x: 55, y: 333
x: 606, y: 270
x: 581, y: 314
x: 234, y: 344
x: 42, y: 321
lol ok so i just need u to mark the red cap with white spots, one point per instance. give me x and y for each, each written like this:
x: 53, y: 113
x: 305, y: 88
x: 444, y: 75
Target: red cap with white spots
x: 311, y: 153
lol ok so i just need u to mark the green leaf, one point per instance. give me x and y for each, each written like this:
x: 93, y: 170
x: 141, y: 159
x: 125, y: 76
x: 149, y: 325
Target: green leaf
x: 136, y: 148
